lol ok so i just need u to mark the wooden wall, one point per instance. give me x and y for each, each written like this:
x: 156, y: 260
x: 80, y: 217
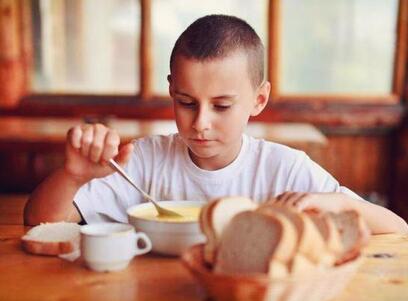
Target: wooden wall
x: 399, y: 176
x: 373, y: 161
x: 360, y: 162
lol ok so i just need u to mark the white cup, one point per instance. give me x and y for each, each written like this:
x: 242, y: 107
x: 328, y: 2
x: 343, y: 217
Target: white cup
x: 111, y: 246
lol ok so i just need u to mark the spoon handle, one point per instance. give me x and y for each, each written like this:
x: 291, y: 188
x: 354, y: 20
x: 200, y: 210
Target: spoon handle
x: 119, y: 169
x: 162, y: 211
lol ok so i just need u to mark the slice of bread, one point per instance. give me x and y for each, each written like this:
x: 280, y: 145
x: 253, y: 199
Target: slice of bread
x: 325, y: 224
x: 215, y: 216
x: 300, y: 264
x: 52, y: 238
x: 354, y: 233
x: 310, y: 243
x: 328, y: 230
x: 256, y: 242
x: 243, y: 248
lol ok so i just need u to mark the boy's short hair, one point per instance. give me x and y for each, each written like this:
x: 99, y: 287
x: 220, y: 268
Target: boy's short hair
x: 216, y: 36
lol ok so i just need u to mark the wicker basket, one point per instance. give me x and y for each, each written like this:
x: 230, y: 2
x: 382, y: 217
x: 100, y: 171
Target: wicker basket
x: 320, y: 285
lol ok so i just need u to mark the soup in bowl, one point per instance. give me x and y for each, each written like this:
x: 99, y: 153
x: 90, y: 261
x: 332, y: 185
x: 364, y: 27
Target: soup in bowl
x: 169, y: 235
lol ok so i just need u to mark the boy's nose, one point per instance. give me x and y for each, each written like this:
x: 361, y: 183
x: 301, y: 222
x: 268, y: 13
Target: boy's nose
x: 202, y: 120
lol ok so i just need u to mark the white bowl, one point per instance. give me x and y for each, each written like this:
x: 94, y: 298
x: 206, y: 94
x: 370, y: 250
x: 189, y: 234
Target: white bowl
x: 168, y: 238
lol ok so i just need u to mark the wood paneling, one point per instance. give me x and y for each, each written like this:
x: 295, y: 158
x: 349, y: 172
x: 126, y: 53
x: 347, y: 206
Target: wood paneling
x: 399, y: 194
x: 336, y: 114
x: 362, y: 163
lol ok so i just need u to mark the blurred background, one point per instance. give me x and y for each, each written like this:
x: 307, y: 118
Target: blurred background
x: 338, y: 71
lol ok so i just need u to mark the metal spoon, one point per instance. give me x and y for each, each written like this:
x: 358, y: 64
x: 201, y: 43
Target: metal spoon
x: 162, y: 211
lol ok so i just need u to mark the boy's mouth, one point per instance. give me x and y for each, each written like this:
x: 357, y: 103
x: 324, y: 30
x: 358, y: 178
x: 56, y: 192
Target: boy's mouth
x: 201, y: 141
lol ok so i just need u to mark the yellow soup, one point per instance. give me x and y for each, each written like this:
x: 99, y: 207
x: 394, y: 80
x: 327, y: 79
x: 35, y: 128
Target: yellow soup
x: 189, y: 214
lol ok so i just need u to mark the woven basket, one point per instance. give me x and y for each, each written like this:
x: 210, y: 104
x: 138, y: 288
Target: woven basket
x: 320, y: 285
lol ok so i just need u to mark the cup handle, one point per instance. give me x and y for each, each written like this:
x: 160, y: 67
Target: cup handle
x: 148, y: 244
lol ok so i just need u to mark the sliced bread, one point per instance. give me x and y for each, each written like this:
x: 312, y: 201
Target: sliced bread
x: 256, y: 242
x: 354, y: 233
x: 52, y: 238
x: 278, y: 240
x: 328, y: 230
x: 310, y: 242
x: 216, y: 215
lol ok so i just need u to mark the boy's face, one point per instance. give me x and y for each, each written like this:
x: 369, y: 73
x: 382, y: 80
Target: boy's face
x: 213, y: 101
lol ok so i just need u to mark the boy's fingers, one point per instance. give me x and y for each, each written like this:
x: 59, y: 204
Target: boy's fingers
x: 74, y: 136
x: 297, y: 199
x: 86, y: 140
x: 124, y: 154
x: 111, y: 145
x: 284, y: 197
x: 291, y: 199
x: 98, y: 141
x: 305, y: 205
x: 272, y: 201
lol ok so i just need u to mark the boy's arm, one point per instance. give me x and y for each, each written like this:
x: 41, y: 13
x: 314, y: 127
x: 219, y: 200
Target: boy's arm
x: 53, y: 200
x: 379, y: 219
x: 88, y: 148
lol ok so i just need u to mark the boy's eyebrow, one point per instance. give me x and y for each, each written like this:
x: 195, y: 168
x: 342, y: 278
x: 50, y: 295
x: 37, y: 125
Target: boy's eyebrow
x: 183, y: 94
x: 213, y: 98
x: 226, y: 96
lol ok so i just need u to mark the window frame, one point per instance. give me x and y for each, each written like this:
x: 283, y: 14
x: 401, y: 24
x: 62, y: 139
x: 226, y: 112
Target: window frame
x: 329, y: 110
x: 400, y: 58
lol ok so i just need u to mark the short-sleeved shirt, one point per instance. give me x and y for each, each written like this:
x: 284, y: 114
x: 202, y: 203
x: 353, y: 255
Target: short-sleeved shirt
x: 161, y: 165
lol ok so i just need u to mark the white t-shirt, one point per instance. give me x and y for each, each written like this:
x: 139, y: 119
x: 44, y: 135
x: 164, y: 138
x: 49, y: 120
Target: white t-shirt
x: 162, y: 167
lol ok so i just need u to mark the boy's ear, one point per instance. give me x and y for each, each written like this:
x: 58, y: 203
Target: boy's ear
x: 261, y: 98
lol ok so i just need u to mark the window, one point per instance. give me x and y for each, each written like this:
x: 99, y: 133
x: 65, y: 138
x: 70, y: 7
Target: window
x: 333, y: 52
x: 86, y: 46
x: 337, y: 47
x: 171, y: 17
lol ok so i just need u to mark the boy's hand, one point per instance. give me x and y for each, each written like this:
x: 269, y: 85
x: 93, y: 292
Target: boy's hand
x: 334, y: 202
x: 88, y: 150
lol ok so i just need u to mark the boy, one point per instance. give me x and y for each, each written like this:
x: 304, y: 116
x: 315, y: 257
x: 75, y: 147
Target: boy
x: 216, y: 84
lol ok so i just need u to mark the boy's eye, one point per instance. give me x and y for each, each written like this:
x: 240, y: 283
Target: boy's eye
x: 186, y: 103
x: 222, y: 107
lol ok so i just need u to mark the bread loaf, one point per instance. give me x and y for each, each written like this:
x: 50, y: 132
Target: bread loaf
x: 52, y: 238
x: 278, y: 240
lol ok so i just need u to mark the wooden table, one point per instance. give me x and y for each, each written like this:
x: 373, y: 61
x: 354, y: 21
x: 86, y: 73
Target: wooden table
x: 382, y: 276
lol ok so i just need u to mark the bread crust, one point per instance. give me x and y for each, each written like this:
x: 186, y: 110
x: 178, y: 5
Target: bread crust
x: 48, y: 248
